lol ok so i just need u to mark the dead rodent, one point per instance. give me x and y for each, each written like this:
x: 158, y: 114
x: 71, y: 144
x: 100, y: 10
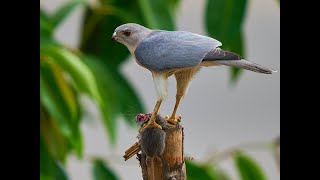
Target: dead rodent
x: 152, y: 138
x: 153, y: 141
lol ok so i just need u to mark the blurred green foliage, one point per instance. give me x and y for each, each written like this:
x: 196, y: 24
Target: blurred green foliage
x: 93, y: 69
x: 224, y: 20
x: 102, y: 172
x: 247, y: 167
x: 203, y: 171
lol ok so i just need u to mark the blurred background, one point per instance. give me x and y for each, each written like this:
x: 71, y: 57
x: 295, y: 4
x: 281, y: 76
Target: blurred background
x: 91, y: 89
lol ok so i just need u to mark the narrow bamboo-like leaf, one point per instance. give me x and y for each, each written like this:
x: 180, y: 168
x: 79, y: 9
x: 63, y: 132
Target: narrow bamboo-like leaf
x: 46, y: 41
x: 198, y: 171
x: 248, y: 168
x: 109, y: 107
x: 158, y: 14
x: 84, y: 78
x: 59, y: 172
x: 72, y: 64
x: 64, y: 11
x: 46, y: 163
x: 235, y: 74
x: 110, y: 122
x: 236, y: 46
x: 49, y: 168
x: 52, y: 99
x: 116, y: 89
x: 61, y: 103
x: 67, y: 92
x: 106, y: 84
x: 130, y: 102
x: 102, y: 172
x: 46, y: 26
x: 173, y: 5
x: 224, y: 21
x: 55, y: 141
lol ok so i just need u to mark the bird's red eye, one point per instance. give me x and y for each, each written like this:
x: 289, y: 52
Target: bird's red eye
x: 127, y: 33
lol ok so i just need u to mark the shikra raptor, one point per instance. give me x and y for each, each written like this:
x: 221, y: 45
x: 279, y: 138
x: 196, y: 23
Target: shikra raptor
x: 177, y: 53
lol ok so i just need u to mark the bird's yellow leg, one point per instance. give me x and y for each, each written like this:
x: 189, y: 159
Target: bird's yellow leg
x: 173, y: 119
x: 152, y: 120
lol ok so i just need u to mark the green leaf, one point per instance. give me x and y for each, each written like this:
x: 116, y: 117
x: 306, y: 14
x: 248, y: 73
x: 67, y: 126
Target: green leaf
x: 173, y: 5
x: 101, y: 172
x: 59, y: 172
x: 85, y: 80
x: 247, y: 167
x: 237, y: 46
x: 235, y: 74
x: 46, y: 162
x: 224, y: 21
x: 64, y: 11
x: 81, y: 75
x: 55, y: 141
x: 115, y: 89
x: 46, y: 41
x: 45, y: 24
x: 198, y: 171
x: 60, y: 101
x: 106, y: 87
x: 131, y: 104
x: 158, y: 14
x: 49, y: 168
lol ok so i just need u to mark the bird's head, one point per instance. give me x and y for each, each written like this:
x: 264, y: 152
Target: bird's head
x: 130, y: 35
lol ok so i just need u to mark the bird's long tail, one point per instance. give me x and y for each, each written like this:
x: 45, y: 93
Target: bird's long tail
x: 244, y: 64
x: 219, y: 56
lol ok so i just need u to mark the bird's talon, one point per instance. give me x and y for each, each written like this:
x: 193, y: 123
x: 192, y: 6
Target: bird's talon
x: 154, y: 124
x: 173, y: 120
x: 179, y: 118
x: 150, y: 124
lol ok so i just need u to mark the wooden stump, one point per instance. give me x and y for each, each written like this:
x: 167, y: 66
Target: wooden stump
x: 173, y: 166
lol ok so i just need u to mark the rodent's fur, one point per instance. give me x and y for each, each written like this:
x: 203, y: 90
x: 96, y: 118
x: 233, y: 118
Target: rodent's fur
x: 153, y: 141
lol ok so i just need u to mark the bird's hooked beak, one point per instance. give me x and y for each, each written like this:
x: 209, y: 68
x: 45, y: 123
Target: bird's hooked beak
x: 114, y: 37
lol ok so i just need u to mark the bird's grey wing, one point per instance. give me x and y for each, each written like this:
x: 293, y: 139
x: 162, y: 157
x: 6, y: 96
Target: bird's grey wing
x: 220, y: 54
x: 163, y: 50
x: 222, y: 57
